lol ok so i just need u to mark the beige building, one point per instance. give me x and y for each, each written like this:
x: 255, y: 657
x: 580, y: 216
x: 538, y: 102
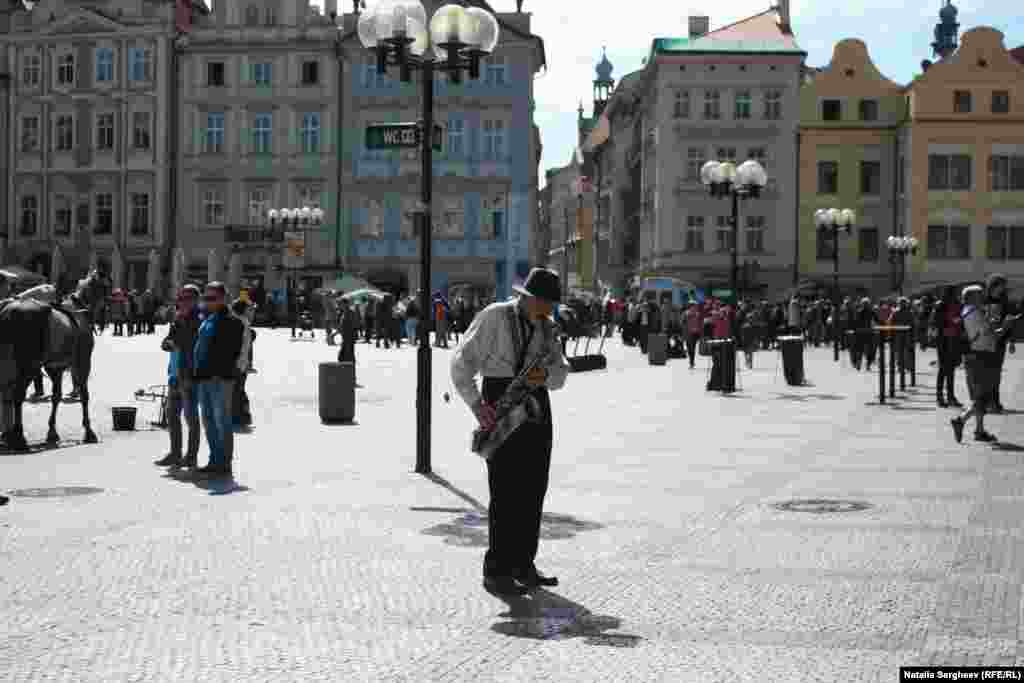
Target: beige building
x: 90, y: 102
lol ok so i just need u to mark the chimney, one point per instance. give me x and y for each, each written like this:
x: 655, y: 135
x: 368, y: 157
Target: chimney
x: 783, y: 9
x: 699, y: 26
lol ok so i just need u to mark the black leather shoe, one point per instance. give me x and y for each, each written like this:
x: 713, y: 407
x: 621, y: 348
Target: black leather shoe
x: 504, y: 585
x: 535, y: 579
x: 169, y: 460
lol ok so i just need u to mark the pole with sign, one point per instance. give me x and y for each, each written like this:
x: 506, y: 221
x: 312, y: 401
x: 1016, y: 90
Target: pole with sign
x: 294, y: 256
x: 401, y: 136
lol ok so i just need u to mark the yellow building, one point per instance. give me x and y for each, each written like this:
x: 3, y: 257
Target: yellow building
x: 964, y: 146
x: 850, y: 120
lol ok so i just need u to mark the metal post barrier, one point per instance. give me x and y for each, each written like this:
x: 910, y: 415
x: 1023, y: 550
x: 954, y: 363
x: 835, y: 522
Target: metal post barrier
x: 903, y: 360
x: 892, y: 366
x: 913, y: 363
x: 881, y: 368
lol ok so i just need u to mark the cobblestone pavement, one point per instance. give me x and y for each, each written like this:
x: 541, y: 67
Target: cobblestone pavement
x: 330, y: 560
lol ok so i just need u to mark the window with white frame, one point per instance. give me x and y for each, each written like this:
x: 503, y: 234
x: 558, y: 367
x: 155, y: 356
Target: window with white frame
x: 695, y: 234
x: 373, y: 226
x: 213, y: 142
x: 29, y: 214
x: 140, y: 213
x: 494, y: 139
x: 261, y: 73
x: 755, y: 234
x: 695, y: 160
x: 64, y: 133
x: 311, y: 133
x: 456, y: 136
x: 29, y: 133
x: 742, y: 105
x: 66, y: 69
x: 62, y: 216
x: 213, y: 207
x: 494, y: 70
x: 31, y: 67
x: 141, y: 130
x: 259, y: 205
x: 407, y: 230
x: 1006, y: 173
x: 723, y: 234
x: 773, y: 105
x: 681, y: 106
x: 262, y: 133
x: 104, y: 65
x: 104, y: 213
x: 140, y: 64
x: 105, y: 131
x: 712, y: 105
x: 493, y: 217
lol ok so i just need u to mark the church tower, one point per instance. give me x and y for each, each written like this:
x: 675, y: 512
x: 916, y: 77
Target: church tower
x: 946, y: 31
x: 603, y: 84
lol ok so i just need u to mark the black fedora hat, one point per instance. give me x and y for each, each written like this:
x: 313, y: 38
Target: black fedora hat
x: 541, y: 283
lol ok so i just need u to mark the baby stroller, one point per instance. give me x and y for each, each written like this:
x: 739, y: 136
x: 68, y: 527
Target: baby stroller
x: 306, y: 324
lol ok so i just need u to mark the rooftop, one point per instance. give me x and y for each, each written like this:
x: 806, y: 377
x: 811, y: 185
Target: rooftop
x: 759, y: 33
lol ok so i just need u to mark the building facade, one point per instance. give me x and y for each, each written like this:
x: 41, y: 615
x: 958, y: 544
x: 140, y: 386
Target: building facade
x: 485, y: 178
x: 260, y: 129
x: 90, y: 97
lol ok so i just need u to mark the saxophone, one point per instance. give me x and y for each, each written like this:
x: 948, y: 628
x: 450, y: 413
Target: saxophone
x: 514, y: 408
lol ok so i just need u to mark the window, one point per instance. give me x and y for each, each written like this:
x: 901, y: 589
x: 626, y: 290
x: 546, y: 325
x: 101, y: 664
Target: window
x: 949, y: 172
x: 493, y: 223
x: 261, y: 73
x: 760, y: 155
x: 456, y: 128
x: 29, y: 133
x: 369, y: 73
x: 64, y: 138
x: 1006, y: 173
x: 723, y: 234
x: 828, y: 177
x: 141, y: 130
x: 773, y: 105
x: 1001, y: 102
x: 695, y: 160
x: 309, y: 195
x: 140, y: 213
x: 31, y: 66
x: 259, y: 205
x: 867, y: 243
x: 104, y: 65
x: 962, y: 101
x: 105, y: 131
x: 695, y: 234
x: 374, y: 224
x: 868, y: 110
x: 949, y: 241
x: 140, y: 64
x: 494, y: 139
x: 215, y: 74
x: 450, y: 225
x: 1005, y: 242
x: 213, y: 207
x: 269, y: 15
x: 712, y: 105
x: 409, y: 213
x: 832, y: 110
x: 310, y: 72
x: 726, y: 154
x: 743, y: 104
x: 494, y: 70
x: 29, y: 215
x: 755, y: 234
x: 66, y: 70
x: 214, y: 141
x: 62, y: 217
x: 681, y: 108
x: 82, y: 216
x: 311, y: 133
x: 252, y: 15
x: 262, y: 133
x: 104, y: 213
x: 870, y: 177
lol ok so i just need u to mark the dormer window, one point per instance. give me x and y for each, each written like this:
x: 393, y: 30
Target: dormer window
x: 832, y: 110
x: 1001, y: 102
x: 962, y: 101
x: 66, y: 70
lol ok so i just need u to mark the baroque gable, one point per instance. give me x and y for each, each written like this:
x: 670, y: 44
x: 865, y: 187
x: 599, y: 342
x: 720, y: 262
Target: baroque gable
x: 83, y: 21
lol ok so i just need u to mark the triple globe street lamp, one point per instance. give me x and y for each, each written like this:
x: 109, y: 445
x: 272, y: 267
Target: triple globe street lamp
x: 833, y: 223
x: 899, y: 246
x: 300, y: 218
x: 454, y: 40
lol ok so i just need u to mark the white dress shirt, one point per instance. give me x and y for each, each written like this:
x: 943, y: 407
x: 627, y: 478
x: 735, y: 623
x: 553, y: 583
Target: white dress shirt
x: 489, y: 348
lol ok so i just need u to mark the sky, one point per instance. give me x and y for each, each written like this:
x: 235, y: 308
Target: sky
x: 898, y: 35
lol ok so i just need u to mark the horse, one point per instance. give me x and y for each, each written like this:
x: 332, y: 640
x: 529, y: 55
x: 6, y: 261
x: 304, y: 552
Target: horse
x: 36, y: 332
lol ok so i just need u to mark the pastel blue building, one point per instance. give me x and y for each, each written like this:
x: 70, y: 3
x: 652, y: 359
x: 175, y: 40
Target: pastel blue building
x: 485, y: 176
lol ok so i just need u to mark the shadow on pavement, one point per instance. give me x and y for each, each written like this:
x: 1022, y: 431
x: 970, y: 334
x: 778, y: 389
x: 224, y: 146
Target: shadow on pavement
x: 215, y: 487
x: 807, y: 397
x: 42, y: 446
x: 1007, y: 447
x: 543, y: 615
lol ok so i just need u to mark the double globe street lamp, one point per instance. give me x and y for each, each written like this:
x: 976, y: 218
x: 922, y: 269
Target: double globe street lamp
x: 833, y: 223
x: 454, y: 40
x: 725, y: 179
x: 295, y: 218
x: 899, y: 246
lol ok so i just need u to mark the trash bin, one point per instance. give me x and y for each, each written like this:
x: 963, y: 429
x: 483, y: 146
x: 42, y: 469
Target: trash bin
x: 337, y: 396
x: 792, y: 360
x: 657, y: 349
x: 124, y: 419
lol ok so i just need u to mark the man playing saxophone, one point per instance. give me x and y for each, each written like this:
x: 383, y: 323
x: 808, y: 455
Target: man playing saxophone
x: 503, y: 339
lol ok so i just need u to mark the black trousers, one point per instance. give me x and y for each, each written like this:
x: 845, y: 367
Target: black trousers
x: 517, y: 476
x: 946, y: 347
x: 691, y: 347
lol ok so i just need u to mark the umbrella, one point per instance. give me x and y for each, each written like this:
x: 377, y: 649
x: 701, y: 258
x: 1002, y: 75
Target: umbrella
x: 56, y: 263
x: 117, y: 267
x: 361, y: 294
x: 153, y: 271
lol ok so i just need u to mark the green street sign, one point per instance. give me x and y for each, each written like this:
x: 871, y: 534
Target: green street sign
x: 399, y: 136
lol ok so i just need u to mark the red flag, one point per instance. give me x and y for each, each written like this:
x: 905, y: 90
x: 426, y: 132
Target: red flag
x: 183, y: 16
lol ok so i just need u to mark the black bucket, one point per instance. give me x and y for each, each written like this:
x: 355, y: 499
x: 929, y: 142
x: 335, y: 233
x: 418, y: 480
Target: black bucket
x: 124, y: 419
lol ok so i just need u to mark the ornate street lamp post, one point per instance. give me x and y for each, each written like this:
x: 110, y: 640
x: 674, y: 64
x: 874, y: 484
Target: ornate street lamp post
x: 724, y: 179
x: 835, y: 222
x: 899, y: 246
x: 299, y: 219
x: 398, y: 33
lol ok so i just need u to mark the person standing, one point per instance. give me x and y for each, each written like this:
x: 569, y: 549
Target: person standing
x: 412, y: 319
x: 240, y: 411
x: 794, y: 317
x: 181, y: 395
x: 216, y: 368
x: 330, y: 310
x: 440, y: 322
x: 997, y: 306
x: 945, y: 328
x: 694, y: 328
x: 347, y: 352
x: 504, y: 339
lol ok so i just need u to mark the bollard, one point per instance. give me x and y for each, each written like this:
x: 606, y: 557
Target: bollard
x: 881, y: 368
x: 892, y: 367
x: 913, y: 364
x: 903, y: 361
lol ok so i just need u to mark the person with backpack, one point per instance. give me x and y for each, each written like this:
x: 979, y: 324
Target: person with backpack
x: 944, y: 329
x: 981, y: 362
